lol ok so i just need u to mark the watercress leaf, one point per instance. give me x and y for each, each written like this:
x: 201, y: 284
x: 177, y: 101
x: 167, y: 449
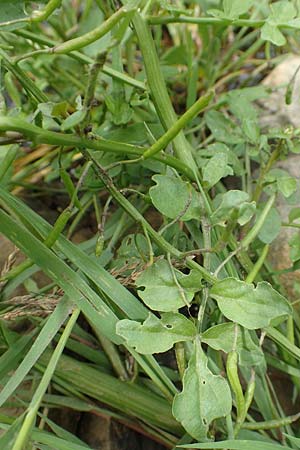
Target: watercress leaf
x: 222, y: 128
x: 282, y: 11
x: 246, y: 212
x: 191, y: 281
x: 156, y: 335
x: 216, y: 168
x: 294, y: 214
x: 251, y: 130
x: 287, y: 185
x: 52, y: 109
x: 229, y: 201
x: 235, y: 8
x: 73, y: 120
x: 173, y: 197
x: 294, y: 244
x: 161, y: 293
x: 252, y: 307
x: 271, y: 227
x: 272, y: 33
x: 204, y: 396
x: 223, y: 337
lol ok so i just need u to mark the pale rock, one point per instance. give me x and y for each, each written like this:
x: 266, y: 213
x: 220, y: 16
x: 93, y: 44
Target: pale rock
x: 276, y: 113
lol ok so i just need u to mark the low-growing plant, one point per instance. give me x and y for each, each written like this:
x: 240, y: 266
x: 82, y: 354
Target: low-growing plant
x: 143, y: 120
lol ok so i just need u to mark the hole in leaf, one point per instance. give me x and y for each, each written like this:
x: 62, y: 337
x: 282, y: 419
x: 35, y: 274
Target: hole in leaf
x: 168, y: 325
x: 204, y: 421
x: 203, y: 382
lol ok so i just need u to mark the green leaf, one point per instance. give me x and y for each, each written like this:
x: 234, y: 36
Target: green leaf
x: 272, y: 33
x: 73, y: 120
x: 11, y: 11
x: 222, y: 128
x: 271, y: 227
x: 282, y: 11
x: 51, y: 109
x: 173, y: 197
x: 161, y: 293
x: 229, y: 201
x: 238, y: 445
x: 246, y: 212
x: 249, y: 306
x: 223, y: 337
x: 156, y: 335
x: 235, y: 8
x: 204, y: 396
x: 294, y: 214
x: 286, y: 184
x: 294, y: 244
x: 216, y: 168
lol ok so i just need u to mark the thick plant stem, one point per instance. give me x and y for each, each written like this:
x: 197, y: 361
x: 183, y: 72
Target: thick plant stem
x: 159, y: 91
x: 39, y: 135
x: 176, y: 128
x: 91, y: 36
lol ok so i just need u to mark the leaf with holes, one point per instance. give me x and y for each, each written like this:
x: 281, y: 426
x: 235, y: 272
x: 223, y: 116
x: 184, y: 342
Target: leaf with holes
x: 156, y: 335
x: 161, y: 291
x: 252, y: 307
x: 204, y: 397
x: 175, y: 198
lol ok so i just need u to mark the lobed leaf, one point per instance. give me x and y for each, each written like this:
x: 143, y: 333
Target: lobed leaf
x: 252, y: 307
x: 156, y: 335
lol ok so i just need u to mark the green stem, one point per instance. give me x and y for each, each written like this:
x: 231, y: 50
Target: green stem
x: 159, y: 91
x: 81, y: 57
x: 39, y: 135
x: 91, y: 36
x: 270, y: 424
x: 258, y: 224
x: 173, y: 131
x: 163, y: 20
x: 39, y: 16
x: 258, y: 265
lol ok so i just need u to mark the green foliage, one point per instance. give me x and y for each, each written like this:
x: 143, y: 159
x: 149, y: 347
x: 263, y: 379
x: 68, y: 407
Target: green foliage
x: 174, y: 197
x: 249, y: 306
x: 207, y: 396
x: 226, y: 336
x: 139, y: 127
x: 156, y: 335
x: 162, y: 287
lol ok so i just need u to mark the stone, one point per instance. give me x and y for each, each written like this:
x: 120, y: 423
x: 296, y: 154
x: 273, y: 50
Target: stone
x: 276, y: 113
x: 279, y: 254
